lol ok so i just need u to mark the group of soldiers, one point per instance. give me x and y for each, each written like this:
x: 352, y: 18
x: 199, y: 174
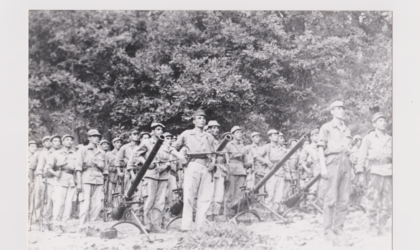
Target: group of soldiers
x: 212, y: 182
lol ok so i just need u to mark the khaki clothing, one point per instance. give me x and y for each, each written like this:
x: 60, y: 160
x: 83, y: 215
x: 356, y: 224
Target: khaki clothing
x: 42, y: 160
x: 234, y: 193
x: 378, y: 152
x: 156, y: 193
x: 379, y: 194
x: 309, y: 157
x: 274, y: 153
x: 90, y: 202
x: 121, y: 161
x: 197, y: 178
x: 33, y: 160
x: 59, y: 158
x: 336, y: 142
x: 110, y: 158
x: 91, y: 162
x: 47, y: 215
x: 62, y: 197
x: 236, y: 153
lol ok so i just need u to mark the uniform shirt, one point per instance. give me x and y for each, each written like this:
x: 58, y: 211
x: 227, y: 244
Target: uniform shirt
x: 335, y: 140
x: 33, y: 160
x: 220, y: 160
x: 195, y: 143
x: 124, y: 154
x: 58, y: 158
x: 378, y: 151
x: 143, y: 151
x: 309, y: 157
x: 236, y: 165
x: 42, y: 160
x: 110, y: 158
x: 91, y: 162
x: 50, y: 179
x: 274, y: 153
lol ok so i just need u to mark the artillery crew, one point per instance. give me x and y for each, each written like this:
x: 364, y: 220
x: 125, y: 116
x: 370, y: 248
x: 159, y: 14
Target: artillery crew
x: 214, y: 172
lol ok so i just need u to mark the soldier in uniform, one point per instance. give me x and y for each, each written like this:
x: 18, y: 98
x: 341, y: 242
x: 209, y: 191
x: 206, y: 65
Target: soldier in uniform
x: 144, y: 136
x: 32, y: 161
x: 38, y: 178
x: 220, y: 172
x: 112, y: 169
x: 376, y: 148
x: 197, y: 176
x: 309, y: 163
x: 156, y: 177
x: 123, y: 156
x: 104, y: 144
x: 270, y: 154
x: 174, y: 138
x: 334, y: 141
x: 236, y: 169
x: 256, y: 172
x: 91, y: 171
x: 61, y: 164
x: 50, y: 181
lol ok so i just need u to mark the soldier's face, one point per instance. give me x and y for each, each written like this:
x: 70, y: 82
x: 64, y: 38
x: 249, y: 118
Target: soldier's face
x: 68, y: 142
x: 56, y: 143
x: 158, y: 131
x: 94, y: 139
x: 32, y: 148
x: 314, y: 138
x: 281, y: 139
x: 238, y: 135
x: 380, y: 124
x: 214, y: 130
x: 174, y: 139
x: 338, y: 112
x: 274, y: 137
x: 145, y: 136
x: 256, y: 139
x: 135, y: 136
x: 117, y: 145
x: 168, y: 140
x: 105, y: 146
x: 47, y: 144
x: 200, y: 121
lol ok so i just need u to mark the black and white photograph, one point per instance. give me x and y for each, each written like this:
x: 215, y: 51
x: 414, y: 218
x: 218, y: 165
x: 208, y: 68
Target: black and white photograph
x: 210, y: 129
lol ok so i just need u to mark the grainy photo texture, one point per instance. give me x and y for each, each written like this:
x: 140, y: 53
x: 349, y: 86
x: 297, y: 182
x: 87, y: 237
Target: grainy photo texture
x: 210, y: 130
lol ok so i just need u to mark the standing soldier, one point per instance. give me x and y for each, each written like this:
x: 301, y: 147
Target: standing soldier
x: 32, y: 162
x: 50, y: 181
x: 309, y: 163
x: 236, y: 169
x: 61, y: 164
x: 156, y: 177
x: 256, y: 172
x: 39, y: 180
x: 174, y: 138
x: 144, y: 136
x: 269, y: 155
x: 293, y: 163
x: 112, y: 169
x: 197, y: 176
x: 104, y: 144
x: 377, y: 149
x: 91, y: 170
x: 220, y: 174
x: 123, y: 156
x: 334, y: 143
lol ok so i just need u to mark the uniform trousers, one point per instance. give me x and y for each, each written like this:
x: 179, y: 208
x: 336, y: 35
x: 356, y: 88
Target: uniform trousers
x: 337, y: 196
x: 277, y: 188
x: 380, y: 200
x: 48, y: 206
x: 197, y: 183
x: 90, y: 202
x: 62, y: 198
x: 219, y: 191
x: 169, y: 194
x: 233, y: 192
x: 156, y: 194
x: 319, y: 187
x: 39, y: 193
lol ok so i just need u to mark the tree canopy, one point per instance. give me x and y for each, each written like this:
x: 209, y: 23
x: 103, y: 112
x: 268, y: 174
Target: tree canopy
x: 114, y: 70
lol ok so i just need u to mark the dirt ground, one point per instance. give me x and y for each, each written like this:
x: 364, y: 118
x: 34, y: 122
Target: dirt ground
x: 302, y: 234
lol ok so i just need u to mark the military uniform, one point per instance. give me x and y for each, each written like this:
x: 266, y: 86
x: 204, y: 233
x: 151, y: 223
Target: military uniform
x: 376, y: 148
x: 121, y: 161
x: 336, y: 140
x: 110, y: 159
x: 90, y: 161
x: 64, y: 186
x: 197, y: 178
x: 251, y: 151
x: 32, y: 164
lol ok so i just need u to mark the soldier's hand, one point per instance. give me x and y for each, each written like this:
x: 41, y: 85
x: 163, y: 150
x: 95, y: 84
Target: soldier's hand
x: 324, y: 173
x: 79, y: 187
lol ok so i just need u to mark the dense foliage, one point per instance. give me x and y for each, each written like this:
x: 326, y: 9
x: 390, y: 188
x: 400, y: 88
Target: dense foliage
x: 114, y: 70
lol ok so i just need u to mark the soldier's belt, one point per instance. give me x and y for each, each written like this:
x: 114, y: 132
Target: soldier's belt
x: 380, y: 162
x: 93, y: 168
x: 69, y: 171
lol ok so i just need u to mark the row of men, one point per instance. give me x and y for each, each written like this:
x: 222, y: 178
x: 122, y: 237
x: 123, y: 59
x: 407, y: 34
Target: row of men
x: 213, y: 180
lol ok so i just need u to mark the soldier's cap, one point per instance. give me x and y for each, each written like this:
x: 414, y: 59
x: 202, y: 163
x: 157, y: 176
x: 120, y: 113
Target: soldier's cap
x: 213, y: 123
x: 65, y: 136
x: 93, y: 132
x: 254, y: 134
x: 206, y: 128
x: 234, y: 129
x: 199, y: 112
x: 55, y: 136
x: 167, y: 134
x: 289, y: 142
x: 31, y: 142
x: 156, y: 124
x: 116, y: 139
x: 46, y: 138
x: 357, y: 137
x: 144, y: 133
x: 314, y: 132
x: 273, y: 131
x: 337, y: 104
x: 134, y: 130
x: 378, y: 115
x: 104, y: 141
